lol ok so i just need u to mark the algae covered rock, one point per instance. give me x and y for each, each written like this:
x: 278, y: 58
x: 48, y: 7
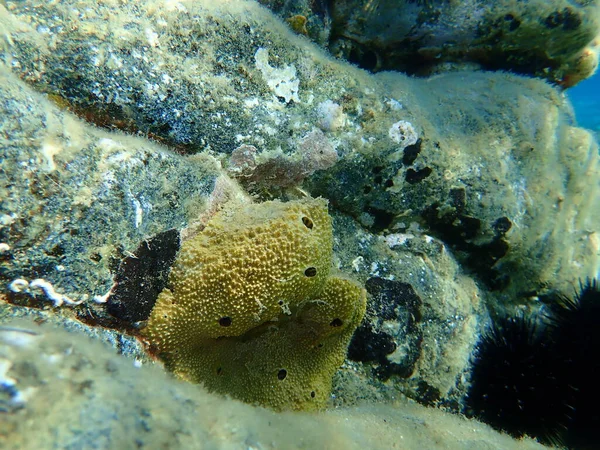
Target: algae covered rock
x: 551, y: 39
x: 509, y: 185
x: 73, y: 197
x: 423, y: 314
x: 251, y: 310
x: 63, y: 390
x: 490, y: 163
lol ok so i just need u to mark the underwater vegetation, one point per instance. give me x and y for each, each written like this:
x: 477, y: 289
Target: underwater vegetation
x: 539, y: 376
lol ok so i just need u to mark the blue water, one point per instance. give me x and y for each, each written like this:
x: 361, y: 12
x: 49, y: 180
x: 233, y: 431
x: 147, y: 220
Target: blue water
x: 586, y: 100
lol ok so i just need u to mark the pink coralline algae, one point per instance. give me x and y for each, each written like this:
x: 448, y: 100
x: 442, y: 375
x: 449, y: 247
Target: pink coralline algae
x: 313, y: 152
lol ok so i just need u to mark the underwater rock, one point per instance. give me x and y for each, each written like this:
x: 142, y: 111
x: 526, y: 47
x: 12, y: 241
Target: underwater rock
x: 216, y: 76
x: 392, y: 338
x: 121, y: 343
x: 250, y: 309
x: 421, y: 322
x: 458, y: 177
x: 310, y: 18
x: 75, y: 198
x: 511, y: 186
x: 60, y: 389
x: 548, y: 39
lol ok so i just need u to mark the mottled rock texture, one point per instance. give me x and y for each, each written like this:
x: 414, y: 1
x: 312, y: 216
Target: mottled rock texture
x: 498, y: 172
x: 74, y: 198
x: 422, y: 317
x: 552, y: 39
x: 464, y: 190
x: 67, y: 391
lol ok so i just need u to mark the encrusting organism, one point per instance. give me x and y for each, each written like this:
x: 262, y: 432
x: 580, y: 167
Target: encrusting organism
x: 251, y: 309
x: 539, y: 376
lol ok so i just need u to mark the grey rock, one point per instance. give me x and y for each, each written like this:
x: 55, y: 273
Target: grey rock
x: 422, y: 319
x: 465, y: 154
x: 555, y: 40
x: 500, y: 174
x: 434, y: 184
x: 76, y: 393
x: 96, y: 176
x: 76, y: 198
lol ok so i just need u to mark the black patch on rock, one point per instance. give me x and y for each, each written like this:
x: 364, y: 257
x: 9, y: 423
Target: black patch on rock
x: 416, y: 176
x: 389, y: 301
x: 428, y: 395
x: 502, y: 225
x: 513, y: 22
x: 364, y: 58
x: 567, y: 18
x: 141, y: 277
x: 369, y: 345
x: 458, y: 199
x: 458, y: 230
x: 411, y: 152
x: 383, y: 219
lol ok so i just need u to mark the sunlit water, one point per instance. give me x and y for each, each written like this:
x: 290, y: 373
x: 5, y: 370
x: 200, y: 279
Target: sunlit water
x: 586, y: 100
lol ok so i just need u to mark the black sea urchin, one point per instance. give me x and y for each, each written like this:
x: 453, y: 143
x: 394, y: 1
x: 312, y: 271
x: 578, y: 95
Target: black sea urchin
x: 576, y: 337
x: 514, y: 384
x: 540, y: 376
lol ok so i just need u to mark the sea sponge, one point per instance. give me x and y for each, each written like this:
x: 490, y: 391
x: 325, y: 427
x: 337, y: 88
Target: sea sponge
x: 251, y: 309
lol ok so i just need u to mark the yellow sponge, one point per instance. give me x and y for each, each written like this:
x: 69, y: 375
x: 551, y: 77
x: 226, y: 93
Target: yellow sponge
x: 251, y: 310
